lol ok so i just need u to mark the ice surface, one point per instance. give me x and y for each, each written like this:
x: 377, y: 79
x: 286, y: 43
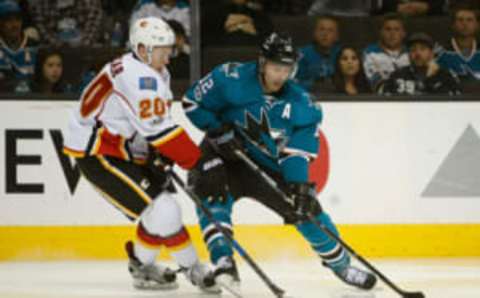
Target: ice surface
x: 437, y: 278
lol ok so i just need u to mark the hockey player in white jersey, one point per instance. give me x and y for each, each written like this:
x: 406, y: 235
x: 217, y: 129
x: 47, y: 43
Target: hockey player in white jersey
x: 122, y: 116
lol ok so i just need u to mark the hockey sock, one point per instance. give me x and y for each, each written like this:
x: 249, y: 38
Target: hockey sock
x: 161, y: 225
x: 216, y: 243
x: 146, y: 247
x: 332, y: 254
x: 181, y: 248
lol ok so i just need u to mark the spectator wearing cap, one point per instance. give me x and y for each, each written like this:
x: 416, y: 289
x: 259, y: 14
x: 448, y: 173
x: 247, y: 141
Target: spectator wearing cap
x: 17, y: 50
x: 68, y: 22
x: 317, y: 60
x: 382, y: 58
x: 176, y: 10
x: 462, y: 56
x: 424, y: 75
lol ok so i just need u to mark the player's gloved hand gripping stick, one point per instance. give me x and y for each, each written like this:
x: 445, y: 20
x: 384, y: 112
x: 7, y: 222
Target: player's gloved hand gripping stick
x: 303, y: 199
x: 277, y: 291
x: 273, y: 184
x: 224, y: 141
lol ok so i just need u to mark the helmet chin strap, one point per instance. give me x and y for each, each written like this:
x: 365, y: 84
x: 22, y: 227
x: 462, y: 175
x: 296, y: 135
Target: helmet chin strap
x: 261, y: 73
x: 149, y: 50
x: 294, y: 71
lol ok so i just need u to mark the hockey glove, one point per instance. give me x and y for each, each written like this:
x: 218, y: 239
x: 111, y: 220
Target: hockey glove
x: 224, y: 142
x: 158, y: 164
x: 305, y: 201
x: 209, y: 179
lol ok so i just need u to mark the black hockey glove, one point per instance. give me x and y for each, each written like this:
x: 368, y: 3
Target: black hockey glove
x: 158, y: 165
x: 209, y: 179
x: 224, y: 142
x: 305, y: 201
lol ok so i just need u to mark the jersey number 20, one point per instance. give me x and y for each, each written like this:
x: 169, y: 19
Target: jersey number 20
x: 149, y: 107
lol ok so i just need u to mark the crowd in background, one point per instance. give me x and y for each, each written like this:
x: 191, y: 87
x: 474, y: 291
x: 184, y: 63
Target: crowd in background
x: 36, y: 35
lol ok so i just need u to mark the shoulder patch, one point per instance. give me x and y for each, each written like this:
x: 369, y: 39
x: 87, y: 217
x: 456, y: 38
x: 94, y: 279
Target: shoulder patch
x: 230, y: 69
x: 147, y: 83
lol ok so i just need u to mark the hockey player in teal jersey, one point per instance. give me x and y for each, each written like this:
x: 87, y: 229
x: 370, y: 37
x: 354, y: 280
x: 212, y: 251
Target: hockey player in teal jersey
x: 255, y: 107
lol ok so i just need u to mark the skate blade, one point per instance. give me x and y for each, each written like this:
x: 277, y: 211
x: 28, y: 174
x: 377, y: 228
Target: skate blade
x: 228, y: 285
x: 154, y: 286
x: 215, y: 290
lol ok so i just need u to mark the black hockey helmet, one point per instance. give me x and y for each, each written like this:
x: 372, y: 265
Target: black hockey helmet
x: 278, y: 47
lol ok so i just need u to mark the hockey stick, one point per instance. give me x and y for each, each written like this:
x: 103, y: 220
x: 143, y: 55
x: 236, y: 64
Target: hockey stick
x: 278, y: 292
x: 274, y: 185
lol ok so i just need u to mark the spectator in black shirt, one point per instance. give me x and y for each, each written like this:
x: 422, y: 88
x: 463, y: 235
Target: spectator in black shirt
x: 236, y: 23
x: 424, y: 75
x: 180, y: 59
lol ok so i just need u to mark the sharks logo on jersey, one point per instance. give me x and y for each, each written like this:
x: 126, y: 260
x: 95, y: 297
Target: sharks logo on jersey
x: 466, y: 66
x: 259, y: 132
x: 279, y: 130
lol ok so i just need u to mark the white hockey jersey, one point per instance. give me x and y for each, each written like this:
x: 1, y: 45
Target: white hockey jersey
x: 380, y: 64
x: 123, y: 110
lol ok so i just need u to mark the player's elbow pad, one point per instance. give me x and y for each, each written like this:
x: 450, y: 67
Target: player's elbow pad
x: 181, y: 149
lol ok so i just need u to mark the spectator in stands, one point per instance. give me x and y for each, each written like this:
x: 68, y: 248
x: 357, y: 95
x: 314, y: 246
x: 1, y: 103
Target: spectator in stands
x: 27, y: 21
x: 349, y: 77
x: 317, y: 60
x: 177, y: 10
x: 17, y: 50
x: 48, y: 78
x: 424, y: 75
x: 181, y: 47
x: 235, y: 23
x: 462, y: 56
x: 72, y: 23
x: 344, y: 8
x: 389, y: 54
x: 180, y: 60
x: 115, y: 28
x: 410, y: 8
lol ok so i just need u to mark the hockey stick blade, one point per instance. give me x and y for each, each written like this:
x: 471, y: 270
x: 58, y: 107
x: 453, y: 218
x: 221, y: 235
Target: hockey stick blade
x: 367, y: 264
x: 413, y: 295
x: 274, y: 186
